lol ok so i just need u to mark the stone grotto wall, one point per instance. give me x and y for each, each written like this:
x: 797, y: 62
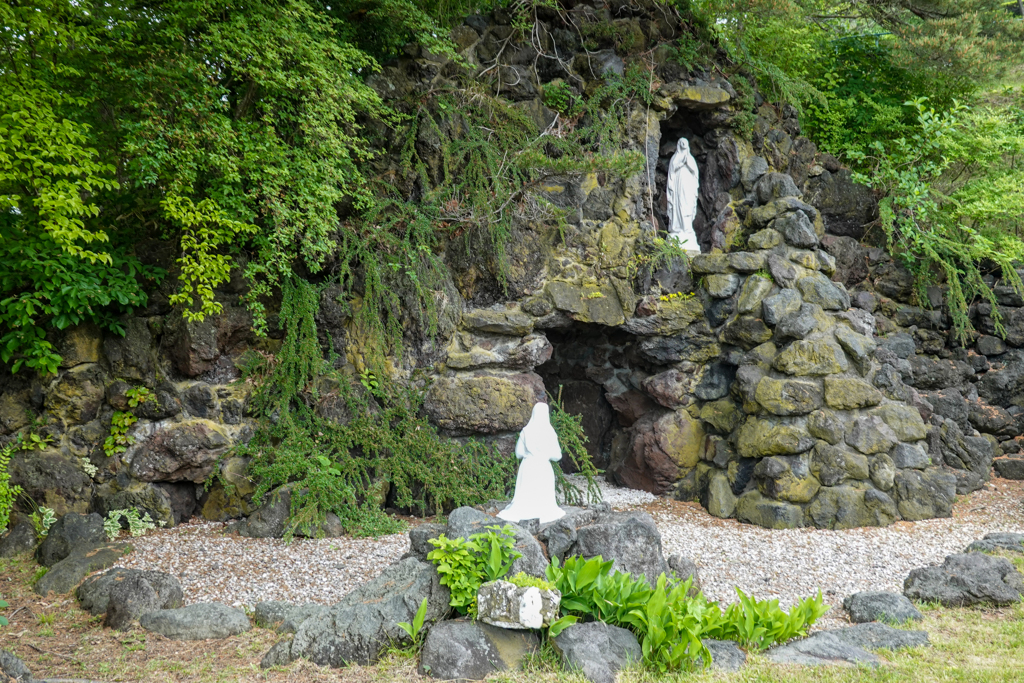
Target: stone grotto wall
x: 786, y: 377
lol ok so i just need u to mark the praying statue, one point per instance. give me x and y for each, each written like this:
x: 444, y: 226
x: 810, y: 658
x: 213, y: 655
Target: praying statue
x: 535, y: 485
x: 683, y: 181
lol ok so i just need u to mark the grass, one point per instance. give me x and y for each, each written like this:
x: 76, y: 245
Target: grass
x: 57, y: 640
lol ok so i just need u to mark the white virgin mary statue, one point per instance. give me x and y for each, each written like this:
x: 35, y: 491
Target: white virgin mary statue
x: 535, y: 485
x: 683, y: 182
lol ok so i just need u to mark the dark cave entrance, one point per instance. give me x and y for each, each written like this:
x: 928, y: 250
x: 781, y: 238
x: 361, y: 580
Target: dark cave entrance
x: 598, y: 371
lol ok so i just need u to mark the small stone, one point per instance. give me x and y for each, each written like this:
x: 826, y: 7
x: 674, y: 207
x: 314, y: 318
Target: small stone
x: 778, y: 306
x: 871, y: 435
x: 196, y: 622
x: 880, y: 606
x: 875, y: 636
x: 764, y: 239
x: 726, y: 655
x: 848, y: 393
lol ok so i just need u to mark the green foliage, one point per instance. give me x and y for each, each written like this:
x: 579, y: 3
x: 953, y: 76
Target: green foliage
x: 658, y: 253
x: 119, y: 440
x: 137, y: 526
x: 464, y: 564
x: 416, y: 626
x: 523, y: 580
x: 668, y: 620
x: 378, y: 440
x: 42, y: 519
x: 759, y: 624
x: 572, y: 441
x: 948, y: 205
x: 3, y: 620
x: 8, y: 493
x: 558, y: 95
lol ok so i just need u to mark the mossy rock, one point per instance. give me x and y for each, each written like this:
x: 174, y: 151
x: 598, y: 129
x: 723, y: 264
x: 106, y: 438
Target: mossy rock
x: 483, y: 403
x: 815, y: 358
x: 762, y: 437
x: 752, y: 507
x: 849, y: 393
x: 788, y: 396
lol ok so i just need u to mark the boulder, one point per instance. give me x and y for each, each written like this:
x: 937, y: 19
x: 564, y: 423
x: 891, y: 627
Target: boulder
x: 962, y: 580
x: 909, y: 455
x: 78, y: 394
x: 631, y: 539
x: 818, y: 289
x: 365, y: 622
x: 778, y: 306
x: 132, y: 595
x: 845, y: 507
x: 904, y: 420
x: 786, y: 478
x: 82, y: 561
x: 270, y: 518
x: 989, y: 419
x: 849, y: 393
x: 145, y: 497
x: 871, y: 435
x: 950, y: 404
x: 183, y: 451
x: 754, y: 508
x: 485, y: 404
x: 19, y: 538
x: 503, y: 604
x: 924, y: 494
x: 858, y: 346
x: 53, y: 480
x: 598, y: 650
x: 662, y: 445
x: 13, y: 668
x: 819, y: 357
x: 284, y: 616
x: 875, y: 636
x: 469, y: 650
x: 826, y: 425
x: 880, y: 606
x: 821, y: 649
x: 832, y: 465
x: 759, y: 437
x: 201, y: 621
x: 94, y: 593
x: 803, y: 322
x: 966, y: 455
x: 788, y: 397
x: 753, y: 292
x: 70, y: 533
x: 996, y: 542
x: 796, y: 229
x: 745, y: 332
x: 465, y: 521
x: 726, y: 655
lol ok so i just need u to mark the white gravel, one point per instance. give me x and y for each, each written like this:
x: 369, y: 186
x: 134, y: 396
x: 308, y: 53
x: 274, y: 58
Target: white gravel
x: 787, y: 564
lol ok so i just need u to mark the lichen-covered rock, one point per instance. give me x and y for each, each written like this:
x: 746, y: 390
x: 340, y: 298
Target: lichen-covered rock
x: 924, y: 494
x: 826, y: 425
x: 719, y: 501
x: 200, y: 621
x: 501, y: 320
x: 883, y: 471
x: 77, y: 395
x: 588, y: 304
x: 631, y: 539
x: 818, y: 289
x: 802, y: 323
x: 788, y: 397
x: 722, y: 285
x: 662, y: 445
x: 786, y: 478
x: 746, y: 332
x: 905, y: 421
x: 833, y: 465
x: 760, y: 437
x: 132, y: 595
x: 850, y: 393
x: 754, y: 508
x: 844, y: 507
x: 778, y: 306
x: 909, y: 455
x: 507, y: 605
x: 183, y: 451
x: 752, y: 293
x: 484, y: 403
x: 819, y: 357
x: 871, y: 435
x: 470, y: 650
x: 723, y: 415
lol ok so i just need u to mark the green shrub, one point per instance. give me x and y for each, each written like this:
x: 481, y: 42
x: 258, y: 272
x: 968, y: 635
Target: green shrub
x: 465, y: 564
x: 8, y: 493
x: 759, y: 624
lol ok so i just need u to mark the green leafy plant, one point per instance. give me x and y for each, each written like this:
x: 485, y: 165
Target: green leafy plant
x: 137, y: 525
x: 759, y: 624
x: 416, y: 626
x: 138, y: 395
x: 8, y: 493
x: 119, y: 440
x: 523, y: 580
x: 572, y: 441
x: 3, y: 620
x: 464, y: 564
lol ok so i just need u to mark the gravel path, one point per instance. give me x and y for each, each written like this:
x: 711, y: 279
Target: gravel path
x: 786, y: 565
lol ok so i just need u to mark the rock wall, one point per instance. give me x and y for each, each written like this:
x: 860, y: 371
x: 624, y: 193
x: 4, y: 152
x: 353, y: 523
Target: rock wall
x: 783, y: 377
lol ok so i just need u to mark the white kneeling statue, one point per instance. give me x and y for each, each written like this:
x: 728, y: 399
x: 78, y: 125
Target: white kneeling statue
x: 683, y: 183
x: 535, y: 485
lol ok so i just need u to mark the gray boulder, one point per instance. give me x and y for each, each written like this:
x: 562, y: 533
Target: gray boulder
x: 137, y: 593
x: 821, y: 649
x: 419, y: 539
x: 1004, y: 541
x: 880, y: 606
x: 630, y: 539
x: 875, y: 636
x: 470, y: 650
x: 465, y: 521
x: 20, y: 537
x: 69, y: 533
x: 70, y: 571
x: 963, y: 580
x: 726, y: 655
x: 1009, y: 468
x: 284, y: 616
x: 13, y: 668
x: 94, y: 593
x: 598, y: 650
x: 196, y: 622
x: 268, y: 520
x: 924, y: 494
x: 365, y: 622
